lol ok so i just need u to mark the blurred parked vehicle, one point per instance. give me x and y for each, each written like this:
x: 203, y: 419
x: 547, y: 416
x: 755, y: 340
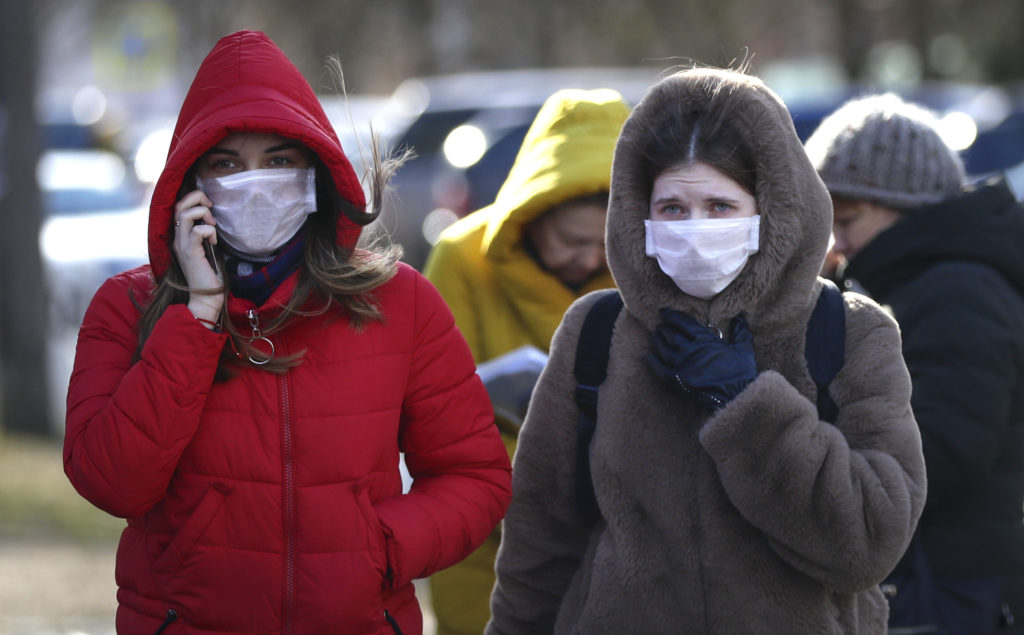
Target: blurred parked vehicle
x: 93, y: 225
x: 466, y: 130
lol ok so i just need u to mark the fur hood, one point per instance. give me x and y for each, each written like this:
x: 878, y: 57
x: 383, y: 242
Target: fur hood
x: 777, y: 286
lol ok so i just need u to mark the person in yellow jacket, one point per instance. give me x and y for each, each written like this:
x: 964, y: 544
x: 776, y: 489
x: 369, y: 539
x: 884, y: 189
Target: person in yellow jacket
x: 510, y: 270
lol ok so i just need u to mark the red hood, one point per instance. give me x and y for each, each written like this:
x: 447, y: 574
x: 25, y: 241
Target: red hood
x: 246, y: 84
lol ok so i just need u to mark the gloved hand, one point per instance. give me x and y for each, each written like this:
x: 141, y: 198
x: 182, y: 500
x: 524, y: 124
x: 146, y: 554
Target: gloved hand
x: 693, y: 357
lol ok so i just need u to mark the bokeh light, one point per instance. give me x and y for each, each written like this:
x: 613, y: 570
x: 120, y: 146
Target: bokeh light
x: 465, y: 145
x: 436, y: 222
x: 88, y: 105
x: 151, y: 155
x: 958, y: 130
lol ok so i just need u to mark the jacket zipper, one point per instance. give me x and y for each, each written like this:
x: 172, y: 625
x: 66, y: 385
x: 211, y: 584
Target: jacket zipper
x: 258, y: 336
x: 393, y: 622
x: 288, y: 500
x: 172, y: 616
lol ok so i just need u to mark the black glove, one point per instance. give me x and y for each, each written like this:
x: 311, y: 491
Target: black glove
x: 695, y: 358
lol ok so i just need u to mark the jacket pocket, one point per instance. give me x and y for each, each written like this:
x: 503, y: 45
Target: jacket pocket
x: 377, y: 536
x: 186, y: 538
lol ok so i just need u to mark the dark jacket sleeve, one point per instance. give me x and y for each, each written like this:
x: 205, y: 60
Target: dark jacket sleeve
x: 129, y: 421
x: 959, y: 339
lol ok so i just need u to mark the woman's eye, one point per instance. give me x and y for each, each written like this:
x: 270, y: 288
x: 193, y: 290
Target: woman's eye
x: 672, y: 210
x: 279, y: 162
x: 721, y: 208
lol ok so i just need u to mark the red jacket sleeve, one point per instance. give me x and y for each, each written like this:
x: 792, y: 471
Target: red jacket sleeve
x: 460, y: 469
x: 129, y: 420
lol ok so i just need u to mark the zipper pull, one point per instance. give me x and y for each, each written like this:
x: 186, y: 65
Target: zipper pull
x: 717, y: 331
x: 172, y: 615
x: 257, y: 336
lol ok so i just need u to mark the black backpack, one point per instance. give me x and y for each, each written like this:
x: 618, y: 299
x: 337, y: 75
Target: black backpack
x: 825, y: 350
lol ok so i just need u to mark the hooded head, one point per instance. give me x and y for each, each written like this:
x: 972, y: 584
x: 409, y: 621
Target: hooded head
x: 566, y: 154
x: 886, y: 151
x: 700, y: 108
x: 246, y: 84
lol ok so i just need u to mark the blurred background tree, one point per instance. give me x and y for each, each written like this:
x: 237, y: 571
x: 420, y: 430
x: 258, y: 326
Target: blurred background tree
x: 380, y: 43
x: 23, y: 385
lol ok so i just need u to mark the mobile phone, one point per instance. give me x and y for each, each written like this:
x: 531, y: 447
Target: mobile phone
x: 208, y: 250
x: 210, y: 256
x: 207, y: 247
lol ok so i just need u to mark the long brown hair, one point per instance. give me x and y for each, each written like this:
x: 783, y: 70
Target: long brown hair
x: 343, y: 278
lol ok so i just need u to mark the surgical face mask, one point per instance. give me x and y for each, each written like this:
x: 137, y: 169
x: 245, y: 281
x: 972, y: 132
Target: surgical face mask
x: 258, y: 211
x: 703, y: 256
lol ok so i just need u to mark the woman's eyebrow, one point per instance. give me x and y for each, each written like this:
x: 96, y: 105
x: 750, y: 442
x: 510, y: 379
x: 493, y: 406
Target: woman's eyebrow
x: 665, y: 199
x: 287, y: 145
x: 721, y: 199
x: 218, y: 150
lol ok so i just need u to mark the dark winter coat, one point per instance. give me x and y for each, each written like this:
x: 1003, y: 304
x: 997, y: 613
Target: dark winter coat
x: 953, y: 275
x: 272, y: 503
x: 759, y: 518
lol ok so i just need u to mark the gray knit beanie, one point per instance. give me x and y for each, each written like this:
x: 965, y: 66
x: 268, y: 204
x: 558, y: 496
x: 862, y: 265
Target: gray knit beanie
x: 885, y: 150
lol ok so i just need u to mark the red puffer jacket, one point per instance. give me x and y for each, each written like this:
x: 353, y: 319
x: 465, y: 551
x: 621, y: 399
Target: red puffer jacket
x: 272, y: 503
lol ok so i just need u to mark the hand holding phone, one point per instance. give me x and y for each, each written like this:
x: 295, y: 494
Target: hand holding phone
x: 195, y: 236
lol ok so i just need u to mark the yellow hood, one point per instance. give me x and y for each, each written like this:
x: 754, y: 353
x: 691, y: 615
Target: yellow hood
x: 566, y: 153
x: 500, y: 297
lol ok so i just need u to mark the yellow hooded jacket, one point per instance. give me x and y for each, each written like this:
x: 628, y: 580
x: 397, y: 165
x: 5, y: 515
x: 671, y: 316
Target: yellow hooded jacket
x: 501, y: 298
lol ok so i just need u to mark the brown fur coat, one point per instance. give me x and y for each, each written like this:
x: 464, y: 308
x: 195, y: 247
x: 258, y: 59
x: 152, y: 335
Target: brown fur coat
x: 759, y: 518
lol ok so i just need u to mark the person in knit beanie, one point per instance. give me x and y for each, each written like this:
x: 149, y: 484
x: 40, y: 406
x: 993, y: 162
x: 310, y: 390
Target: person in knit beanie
x: 946, y: 258
x: 880, y: 156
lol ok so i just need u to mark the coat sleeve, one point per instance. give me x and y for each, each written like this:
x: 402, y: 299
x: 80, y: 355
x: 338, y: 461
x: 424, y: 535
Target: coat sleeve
x: 960, y: 343
x: 460, y: 469
x: 446, y: 268
x: 544, y: 536
x: 128, y: 420
x: 837, y: 502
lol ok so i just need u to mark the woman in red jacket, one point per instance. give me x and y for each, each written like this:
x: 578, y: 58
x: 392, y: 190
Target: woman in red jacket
x: 242, y: 400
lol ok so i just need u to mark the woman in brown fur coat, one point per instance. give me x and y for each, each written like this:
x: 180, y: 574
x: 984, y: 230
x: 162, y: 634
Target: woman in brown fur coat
x: 725, y: 503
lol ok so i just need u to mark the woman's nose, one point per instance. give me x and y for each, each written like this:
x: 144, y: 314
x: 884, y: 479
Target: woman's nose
x: 592, y: 258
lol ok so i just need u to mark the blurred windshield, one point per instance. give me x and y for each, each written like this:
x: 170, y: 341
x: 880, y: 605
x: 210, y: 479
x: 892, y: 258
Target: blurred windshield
x: 81, y: 181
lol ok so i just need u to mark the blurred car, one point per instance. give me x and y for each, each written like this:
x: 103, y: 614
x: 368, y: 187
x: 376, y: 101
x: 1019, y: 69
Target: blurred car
x: 94, y: 225
x: 465, y: 130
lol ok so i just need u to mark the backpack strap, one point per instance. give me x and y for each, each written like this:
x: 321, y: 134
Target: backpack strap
x: 825, y: 347
x: 590, y: 370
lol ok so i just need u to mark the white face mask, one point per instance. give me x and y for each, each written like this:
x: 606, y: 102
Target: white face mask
x: 258, y: 211
x: 703, y: 256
